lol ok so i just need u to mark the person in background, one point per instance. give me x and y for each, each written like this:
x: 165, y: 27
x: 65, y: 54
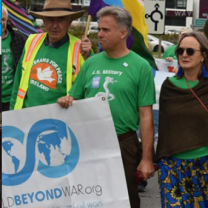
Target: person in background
x: 12, y: 47
x: 182, y: 150
x: 169, y: 54
x: 205, y: 28
x: 50, y: 61
x: 126, y: 80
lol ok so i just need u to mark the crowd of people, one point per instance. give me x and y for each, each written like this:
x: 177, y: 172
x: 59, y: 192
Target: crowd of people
x: 33, y: 75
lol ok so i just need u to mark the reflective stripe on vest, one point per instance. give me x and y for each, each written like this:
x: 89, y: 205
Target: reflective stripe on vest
x: 75, y: 56
x: 35, y: 40
x: 21, y: 93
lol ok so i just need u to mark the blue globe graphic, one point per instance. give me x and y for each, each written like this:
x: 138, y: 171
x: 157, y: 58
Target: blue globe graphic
x: 53, y: 149
x: 12, y: 156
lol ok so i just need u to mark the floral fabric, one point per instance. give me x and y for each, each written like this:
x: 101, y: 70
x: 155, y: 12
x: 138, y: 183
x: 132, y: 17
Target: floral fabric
x: 183, y: 183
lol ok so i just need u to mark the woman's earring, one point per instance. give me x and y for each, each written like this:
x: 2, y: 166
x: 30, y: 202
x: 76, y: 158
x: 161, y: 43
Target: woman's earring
x: 180, y: 72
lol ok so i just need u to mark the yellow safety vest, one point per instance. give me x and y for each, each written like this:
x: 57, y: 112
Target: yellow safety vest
x: 32, y: 46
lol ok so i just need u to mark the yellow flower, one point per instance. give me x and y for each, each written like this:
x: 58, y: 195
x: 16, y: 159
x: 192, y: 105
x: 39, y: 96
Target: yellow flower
x: 187, y: 185
x: 176, y: 193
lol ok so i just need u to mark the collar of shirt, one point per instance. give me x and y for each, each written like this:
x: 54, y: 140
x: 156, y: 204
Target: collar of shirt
x: 58, y: 43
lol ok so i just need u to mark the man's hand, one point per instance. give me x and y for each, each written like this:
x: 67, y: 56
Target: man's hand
x: 147, y: 168
x: 85, y: 47
x: 65, y: 102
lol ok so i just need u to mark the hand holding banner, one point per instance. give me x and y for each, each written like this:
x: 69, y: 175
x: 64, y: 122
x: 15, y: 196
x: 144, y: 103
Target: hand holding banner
x: 164, y: 65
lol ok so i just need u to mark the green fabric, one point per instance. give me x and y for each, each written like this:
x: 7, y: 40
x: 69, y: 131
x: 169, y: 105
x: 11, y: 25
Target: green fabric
x: 170, y: 52
x: 140, y: 48
x: 181, y: 83
x: 193, y: 154
x: 8, y: 69
x: 127, y: 82
x: 49, y: 85
x: 199, y: 152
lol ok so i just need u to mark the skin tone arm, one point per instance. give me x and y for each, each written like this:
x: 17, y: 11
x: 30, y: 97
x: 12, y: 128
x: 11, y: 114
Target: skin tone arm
x: 85, y: 47
x: 147, y: 136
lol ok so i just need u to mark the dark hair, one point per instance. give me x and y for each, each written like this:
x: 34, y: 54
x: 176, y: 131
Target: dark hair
x: 203, y: 42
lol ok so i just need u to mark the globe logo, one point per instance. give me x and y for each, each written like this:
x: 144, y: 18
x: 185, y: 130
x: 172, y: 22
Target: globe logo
x: 50, y: 142
x: 53, y: 150
x: 14, y: 161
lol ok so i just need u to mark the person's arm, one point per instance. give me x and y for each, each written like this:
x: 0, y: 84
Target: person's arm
x: 147, y: 135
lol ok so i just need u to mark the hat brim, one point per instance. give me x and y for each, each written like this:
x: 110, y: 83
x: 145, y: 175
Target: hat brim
x: 73, y: 15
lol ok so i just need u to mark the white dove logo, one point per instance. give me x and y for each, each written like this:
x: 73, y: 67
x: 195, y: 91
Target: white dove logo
x: 45, y: 74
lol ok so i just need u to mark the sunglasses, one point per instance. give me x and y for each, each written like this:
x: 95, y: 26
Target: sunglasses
x: 189, y: 51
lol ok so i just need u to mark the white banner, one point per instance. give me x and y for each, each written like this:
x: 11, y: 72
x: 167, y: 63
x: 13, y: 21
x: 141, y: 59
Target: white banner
x: 164, y: 65
x: 62, y: 158
x: 160, y: 77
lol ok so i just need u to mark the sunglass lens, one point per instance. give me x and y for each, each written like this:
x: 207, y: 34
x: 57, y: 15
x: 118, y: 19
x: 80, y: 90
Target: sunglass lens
x: 180, y: 51
x: 190, y: 51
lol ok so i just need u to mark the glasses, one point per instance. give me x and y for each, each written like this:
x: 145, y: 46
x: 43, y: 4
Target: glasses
x: 189, y: 51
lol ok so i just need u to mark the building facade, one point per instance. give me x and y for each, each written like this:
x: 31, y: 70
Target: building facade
x: 179, y: 13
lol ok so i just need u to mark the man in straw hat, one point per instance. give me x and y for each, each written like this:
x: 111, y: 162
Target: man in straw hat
x: 51, y: 60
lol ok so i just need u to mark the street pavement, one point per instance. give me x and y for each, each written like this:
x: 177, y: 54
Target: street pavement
x: 151, y: 198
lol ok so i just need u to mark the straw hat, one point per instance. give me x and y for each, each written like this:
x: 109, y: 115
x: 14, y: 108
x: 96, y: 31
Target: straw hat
x: 57, y: 8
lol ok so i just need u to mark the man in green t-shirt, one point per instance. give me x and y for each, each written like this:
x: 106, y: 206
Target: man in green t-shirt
x: 12, y: 47
x: 126, y: 80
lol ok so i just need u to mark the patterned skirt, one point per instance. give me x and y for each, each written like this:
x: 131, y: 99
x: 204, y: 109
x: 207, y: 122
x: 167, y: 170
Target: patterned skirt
x: 183, y: 183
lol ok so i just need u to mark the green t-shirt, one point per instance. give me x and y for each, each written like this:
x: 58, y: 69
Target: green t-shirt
x: 196, y: 153
x: 8, y: 69
x: 127, y: 82
x: 170, y: 52
x: 48, y: 76
x: 47, y: 80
